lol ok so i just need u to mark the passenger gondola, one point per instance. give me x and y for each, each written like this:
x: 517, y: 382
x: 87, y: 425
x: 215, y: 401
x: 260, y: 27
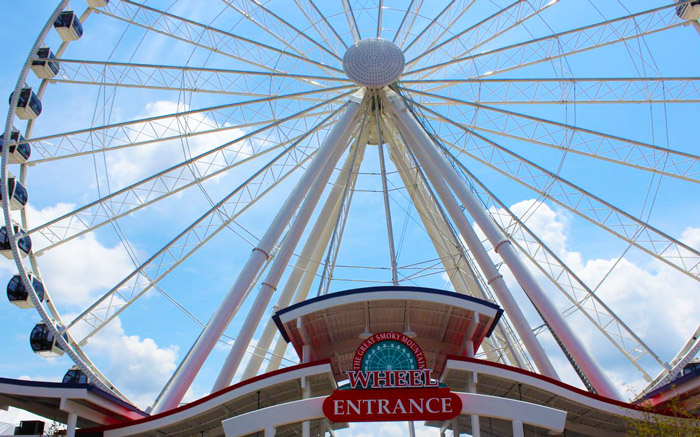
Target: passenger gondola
x: 689, y: 11
x: 19, y: 153
x: 18, y: 294
x: 45, y: 67
x: 24, y: 242
x: 97, y: 3
x: 68, y: 26
x: 28, y: 104
x: 18, y: 194
x: 43, y: 341
x: 75, y: 376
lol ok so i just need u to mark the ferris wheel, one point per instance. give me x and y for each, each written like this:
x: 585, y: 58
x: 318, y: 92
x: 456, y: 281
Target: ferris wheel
x: 161, y: 151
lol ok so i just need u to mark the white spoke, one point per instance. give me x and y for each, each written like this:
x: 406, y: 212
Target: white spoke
x: 321, y: 25
x: 165, y: 183
x: 542, y: 91
x: 243, y: 49
x: 185, y: 78
x: 352, y: 23
x: 574, y: 139
x: 198, y: 129
x: 280, y: 29
x: 220, y: 216
x: 588, y: 206
x: 432, y: 33
x: 562, y: 44
x: 407, y: 22
x: 566, y: 281
x: 172, y: 126
x: 470, y: 39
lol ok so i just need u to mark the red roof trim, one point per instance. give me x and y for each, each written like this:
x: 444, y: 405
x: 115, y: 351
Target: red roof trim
x: 204, y: 399
x: 555, y: 382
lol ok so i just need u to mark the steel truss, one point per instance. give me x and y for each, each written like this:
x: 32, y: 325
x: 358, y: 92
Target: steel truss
x: 284, y: 105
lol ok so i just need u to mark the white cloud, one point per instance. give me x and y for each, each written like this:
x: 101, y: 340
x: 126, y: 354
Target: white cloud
x: 132, y: 164
x: 137, y: 366
x: 78, y: 271
x: 691, y: 237
x: 12, y: 416
x: 657, y: 302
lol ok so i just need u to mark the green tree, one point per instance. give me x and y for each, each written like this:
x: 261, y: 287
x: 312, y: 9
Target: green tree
x: 677, y: 422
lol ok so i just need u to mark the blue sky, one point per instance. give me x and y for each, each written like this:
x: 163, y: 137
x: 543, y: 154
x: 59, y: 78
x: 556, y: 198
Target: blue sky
x: 140, y: 349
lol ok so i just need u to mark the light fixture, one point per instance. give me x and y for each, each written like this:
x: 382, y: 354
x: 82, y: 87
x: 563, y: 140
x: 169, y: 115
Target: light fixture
x: 408, y: 332
x: 367, y: 333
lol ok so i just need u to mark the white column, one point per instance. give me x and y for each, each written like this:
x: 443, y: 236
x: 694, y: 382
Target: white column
x: 270, y: 431
x: 322, y: 230
x: 71, y: 423
x: 518, y: 428
x: 434, y: 224
x: 471, y: 382
x: 412, y: 131
x: 223, y: 315
x: 284, y: 254
x: 305, y: 388
x: 411, y: 430
x: 428, y: 152
x: 307, y: 279
x: 444, y: 241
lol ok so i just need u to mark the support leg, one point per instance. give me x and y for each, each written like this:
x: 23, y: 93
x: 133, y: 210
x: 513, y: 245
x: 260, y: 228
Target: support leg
x: 518, y: 429
x: 71, y: 423
x: 429, y: 156
x: 223, y: 315
x: 323, y: 229
x: 284, y: 254
x: 413, y: 133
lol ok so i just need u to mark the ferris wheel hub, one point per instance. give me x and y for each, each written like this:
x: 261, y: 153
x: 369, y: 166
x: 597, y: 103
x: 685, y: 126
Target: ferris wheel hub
x: 374, y: 62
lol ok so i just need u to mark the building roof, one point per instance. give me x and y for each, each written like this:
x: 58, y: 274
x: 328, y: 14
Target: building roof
x: 587, y: 413
x: 442, y: 320
x: 55, y: 400
x: 206, y: 414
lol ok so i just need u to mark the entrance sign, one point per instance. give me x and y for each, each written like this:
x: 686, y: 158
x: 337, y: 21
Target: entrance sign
x: 389, y: 381
x: 393, y: 404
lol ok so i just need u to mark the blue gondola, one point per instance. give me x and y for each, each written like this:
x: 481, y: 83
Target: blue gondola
x: 68, y: 26
x: 24, y: 243
x: 18, y: 294
x: 45, y: 67
x: 97, y: 3
x: 18, y: 194
x: 19, y: 153
x: 28, y: 104
x: 75, y: 376
x: 689, y: 11
x: 43, y: 341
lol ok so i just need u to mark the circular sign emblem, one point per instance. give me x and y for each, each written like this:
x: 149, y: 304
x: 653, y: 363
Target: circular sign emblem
x: 388, y: 351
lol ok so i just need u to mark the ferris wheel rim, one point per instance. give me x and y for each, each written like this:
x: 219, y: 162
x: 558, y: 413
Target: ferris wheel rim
x: 87, y: 366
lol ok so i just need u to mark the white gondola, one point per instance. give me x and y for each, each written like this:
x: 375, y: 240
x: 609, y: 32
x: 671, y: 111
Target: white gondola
x: 19, y: 153
x: 97, y: 3
x: 68, y: 26
x: 18, y: 194
x: 28, y: 104
x: 45, y: 67
x: 689, y: 11
x: 24, y: 243
x: 75, y: 376
x: 18, y: 294
x: 43, y: 341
